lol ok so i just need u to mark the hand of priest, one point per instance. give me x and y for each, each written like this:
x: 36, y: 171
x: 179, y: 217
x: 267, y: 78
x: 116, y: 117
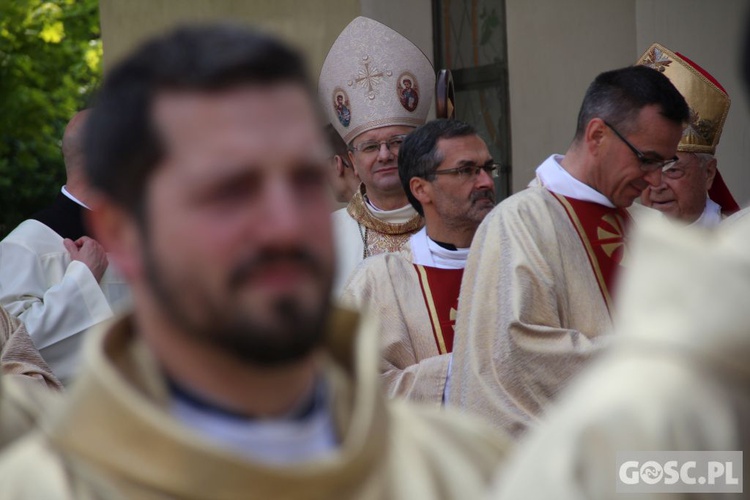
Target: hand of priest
x: 90, y: 252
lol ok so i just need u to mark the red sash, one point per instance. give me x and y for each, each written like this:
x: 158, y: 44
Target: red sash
x: 602, y: 230
x: 440, y: 288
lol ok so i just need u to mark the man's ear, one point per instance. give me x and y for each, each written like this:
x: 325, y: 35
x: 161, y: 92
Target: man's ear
x: 594, y: 135
x: 710, y: 173
x: 351, y: 162
x: 421, y: 189
x: 117, y: 231
x: 340, y: 166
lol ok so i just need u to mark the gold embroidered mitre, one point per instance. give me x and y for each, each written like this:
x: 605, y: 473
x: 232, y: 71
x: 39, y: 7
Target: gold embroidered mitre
x: 707, y: 99
x: 374, y: 77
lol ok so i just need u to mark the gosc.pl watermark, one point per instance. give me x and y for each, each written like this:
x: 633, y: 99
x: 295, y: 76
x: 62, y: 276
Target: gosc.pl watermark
x: 679, y: 472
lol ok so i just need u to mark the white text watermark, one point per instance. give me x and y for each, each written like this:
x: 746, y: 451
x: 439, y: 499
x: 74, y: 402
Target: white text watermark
x: 679, y: 472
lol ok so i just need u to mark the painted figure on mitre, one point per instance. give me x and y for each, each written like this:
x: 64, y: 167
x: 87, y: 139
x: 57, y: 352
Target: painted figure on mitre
x: 408, y: 92
x: 341, y: 105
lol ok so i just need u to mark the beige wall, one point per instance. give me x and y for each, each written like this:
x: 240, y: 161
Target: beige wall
x: 555, y: 49
x: 311, y: 25
x: 413, y: 19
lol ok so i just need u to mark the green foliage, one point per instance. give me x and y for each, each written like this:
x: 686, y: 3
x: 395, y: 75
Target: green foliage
x: 50, y: 62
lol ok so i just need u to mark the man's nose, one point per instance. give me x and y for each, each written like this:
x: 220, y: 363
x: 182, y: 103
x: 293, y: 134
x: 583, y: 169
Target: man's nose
x: 654, y: 178
x: 384, y: 153
x: 282, y: 216
x: 484, y: 180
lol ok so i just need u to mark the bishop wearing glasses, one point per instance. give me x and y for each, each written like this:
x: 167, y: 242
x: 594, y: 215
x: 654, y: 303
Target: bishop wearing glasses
x: 536, y: 297
x: 447, y: 173
x: 364, y: 71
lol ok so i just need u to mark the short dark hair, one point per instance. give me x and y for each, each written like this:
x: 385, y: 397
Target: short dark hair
x: 617, y: 97
x: 419, y: 156
x: 122, y: 145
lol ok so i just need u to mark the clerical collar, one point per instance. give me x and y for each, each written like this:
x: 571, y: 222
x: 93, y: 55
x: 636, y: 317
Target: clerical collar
x: 397, y: 216
x: 555, y: 178
x: 447, y: 246
x: 302, y: 411
x: 73, y: 198
x: 372, y: 206
x: 427, y: 252
x: 308, y: 433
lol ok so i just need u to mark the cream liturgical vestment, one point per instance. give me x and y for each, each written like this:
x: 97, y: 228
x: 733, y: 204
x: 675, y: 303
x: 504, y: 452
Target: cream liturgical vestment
x: 23, y: 401
x: 19, y: 357
x: 56, y: 298
x: 675, y: 379
x: 115, y: 438
x: 361, y: 230
x: 414, y: 293
x: 535, y: 297
x: 28, y: 388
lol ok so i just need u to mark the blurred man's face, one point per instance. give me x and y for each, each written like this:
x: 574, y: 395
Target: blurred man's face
x: 682, y: 192
x: 237, y: 249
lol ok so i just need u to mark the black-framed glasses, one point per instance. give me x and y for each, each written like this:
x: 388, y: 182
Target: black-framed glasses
x: 369, y: 147
x: 647, y: 164
x: 467, y: 172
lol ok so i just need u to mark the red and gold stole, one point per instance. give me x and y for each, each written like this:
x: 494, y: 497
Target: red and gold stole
x: 440, y: 289
x: 602, y: 230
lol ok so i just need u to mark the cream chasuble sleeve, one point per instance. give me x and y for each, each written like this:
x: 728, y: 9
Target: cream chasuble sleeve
x: 28, y: 388
x: 411, y: 366
x: 55, y: 297
x: 47, y: 309
x: 530, y: 313
x: 23, y: 402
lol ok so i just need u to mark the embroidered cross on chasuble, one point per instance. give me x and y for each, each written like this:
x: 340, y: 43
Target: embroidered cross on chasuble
x: 440, y: 288
x: 602, y: 231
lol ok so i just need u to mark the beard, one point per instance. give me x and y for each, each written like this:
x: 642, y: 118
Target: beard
x: 458, y: 215
x: 479, y: 206
x: 292, y: 329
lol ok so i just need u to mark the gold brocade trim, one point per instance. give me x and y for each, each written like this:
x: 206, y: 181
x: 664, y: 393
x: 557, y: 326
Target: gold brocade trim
x: 378, y: 243
x: 427, y: 292
x: 359, y: 213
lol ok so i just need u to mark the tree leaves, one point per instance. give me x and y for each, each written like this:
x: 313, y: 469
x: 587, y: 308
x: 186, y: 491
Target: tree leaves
x: 50, y: 63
